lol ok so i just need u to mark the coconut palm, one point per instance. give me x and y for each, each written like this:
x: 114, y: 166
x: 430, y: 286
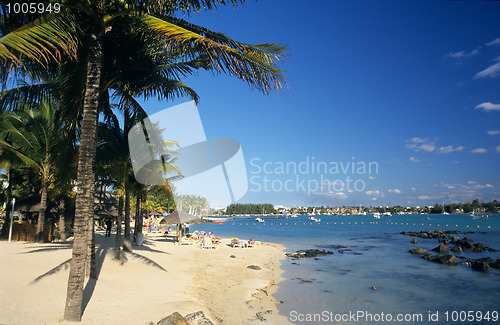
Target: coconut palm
x: 35, y: 138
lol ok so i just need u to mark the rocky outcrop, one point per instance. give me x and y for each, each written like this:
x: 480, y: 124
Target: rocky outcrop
x: 480, y: 266
x: 173, y: 319
x: 196, y: 318
x: 419, y: 250
x: 441, y: 249
x: 456, y: 245
x: 442, y: 259
x: 308, y: 253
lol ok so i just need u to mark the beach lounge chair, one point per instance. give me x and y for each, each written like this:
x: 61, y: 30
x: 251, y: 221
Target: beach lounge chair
x: 250, y: 244
x: 235, y: 242
x: 207, y: 243
x: 187, y: 241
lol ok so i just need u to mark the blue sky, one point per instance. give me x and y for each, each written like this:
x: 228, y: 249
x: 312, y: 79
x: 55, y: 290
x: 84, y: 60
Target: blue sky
x: 412, y: 86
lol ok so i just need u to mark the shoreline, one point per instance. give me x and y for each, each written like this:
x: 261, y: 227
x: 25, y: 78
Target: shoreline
x: 154, y: 281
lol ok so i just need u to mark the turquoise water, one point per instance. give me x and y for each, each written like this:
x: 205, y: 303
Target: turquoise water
x: 373, y: 253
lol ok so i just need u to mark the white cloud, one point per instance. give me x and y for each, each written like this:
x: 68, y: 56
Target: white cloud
x: 428, y: 147
x: 339, y: 195
x: 449, y: 149
x: 491, y: 71
x: 372, y: 192
x: 479, y: 150
x: 419, y: 144
x: 397, y: 191
x: 415, y: 160
x: 493, y: 132
x: 498, y: 148
x: 413, y: 189
x: 418, y: 140
x: 373, y: 199
x: 488, y: 107
x: 462, y: 54
x: 371, y: 178
x: 494, y: 42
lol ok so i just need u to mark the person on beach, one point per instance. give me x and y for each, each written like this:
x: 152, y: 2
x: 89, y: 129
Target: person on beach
x: 108, y: 227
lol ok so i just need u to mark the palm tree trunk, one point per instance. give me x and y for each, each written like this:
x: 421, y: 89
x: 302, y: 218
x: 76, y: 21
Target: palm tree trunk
x: 41, y: 214
x: 127, y: 245
x: 62, y: 226
x: 8, y: 206
x: 90, y: 263
x: 118, y: 242
x: 137, y: 213
x: 85, y: 181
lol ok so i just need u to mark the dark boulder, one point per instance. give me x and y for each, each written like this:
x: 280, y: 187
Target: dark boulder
x: 467, y: 246
x: 455, y: 239
x: 419, y: 250
x: 254, y: 267
x: 198, y: 318
x: 442, y: 249
x: 496, y: 264
x: 173, y: 319
x: 480, y: 266
x: 446, y: 259
x: 414, y: 241
x: 457, y: 250
x: 428, y: 257
x: 308, y: 253
x: 481, y: 246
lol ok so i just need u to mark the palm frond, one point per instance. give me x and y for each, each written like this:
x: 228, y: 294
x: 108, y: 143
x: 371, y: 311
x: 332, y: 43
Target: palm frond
x: 28, y: 96
x: 44, y: 40
x: 254, y: 64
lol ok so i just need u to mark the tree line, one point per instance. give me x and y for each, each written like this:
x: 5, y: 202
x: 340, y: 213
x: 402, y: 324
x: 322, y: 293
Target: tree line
x: 253, y: 209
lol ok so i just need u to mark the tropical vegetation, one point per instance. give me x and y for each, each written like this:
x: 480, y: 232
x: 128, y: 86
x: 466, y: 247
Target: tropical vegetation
x: 73, y: 71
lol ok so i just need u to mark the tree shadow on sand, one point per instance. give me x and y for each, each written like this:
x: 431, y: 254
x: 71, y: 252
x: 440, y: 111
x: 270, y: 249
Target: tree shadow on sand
x: 105, y: 245
x: 63, y: 266
x: 56, y: 247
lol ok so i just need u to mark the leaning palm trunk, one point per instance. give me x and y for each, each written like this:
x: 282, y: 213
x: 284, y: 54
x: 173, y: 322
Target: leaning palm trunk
x: 85, y: 181
x: 118, y: 242
x: 127, y: 245
x: 41, y: 214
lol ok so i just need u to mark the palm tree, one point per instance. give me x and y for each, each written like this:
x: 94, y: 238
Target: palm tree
x: 98, y: 21
x: 34, y: 137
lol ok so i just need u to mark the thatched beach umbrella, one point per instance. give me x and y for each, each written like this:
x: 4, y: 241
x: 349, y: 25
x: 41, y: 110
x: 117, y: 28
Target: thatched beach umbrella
x: 179, y: 217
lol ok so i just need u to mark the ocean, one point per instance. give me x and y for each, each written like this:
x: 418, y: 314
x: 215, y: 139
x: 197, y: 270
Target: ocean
x: 369, y: 252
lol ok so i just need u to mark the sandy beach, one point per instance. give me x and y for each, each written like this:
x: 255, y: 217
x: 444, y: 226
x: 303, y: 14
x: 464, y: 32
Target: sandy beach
x: 157, y: 279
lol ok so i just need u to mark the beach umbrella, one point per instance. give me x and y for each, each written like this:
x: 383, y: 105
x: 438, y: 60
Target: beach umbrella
x: 179, y: 217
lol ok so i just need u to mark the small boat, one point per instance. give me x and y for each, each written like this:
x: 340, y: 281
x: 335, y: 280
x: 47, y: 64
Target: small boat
x: 376, y: 215
x: 218, y: 222
x: 259, y: 219
x: 293, y: 216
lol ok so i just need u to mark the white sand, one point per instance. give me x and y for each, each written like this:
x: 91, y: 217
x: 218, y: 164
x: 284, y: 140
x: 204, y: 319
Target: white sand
x: 153, y: 282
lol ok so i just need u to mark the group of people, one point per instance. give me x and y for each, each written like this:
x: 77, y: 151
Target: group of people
x: 202, y: 234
